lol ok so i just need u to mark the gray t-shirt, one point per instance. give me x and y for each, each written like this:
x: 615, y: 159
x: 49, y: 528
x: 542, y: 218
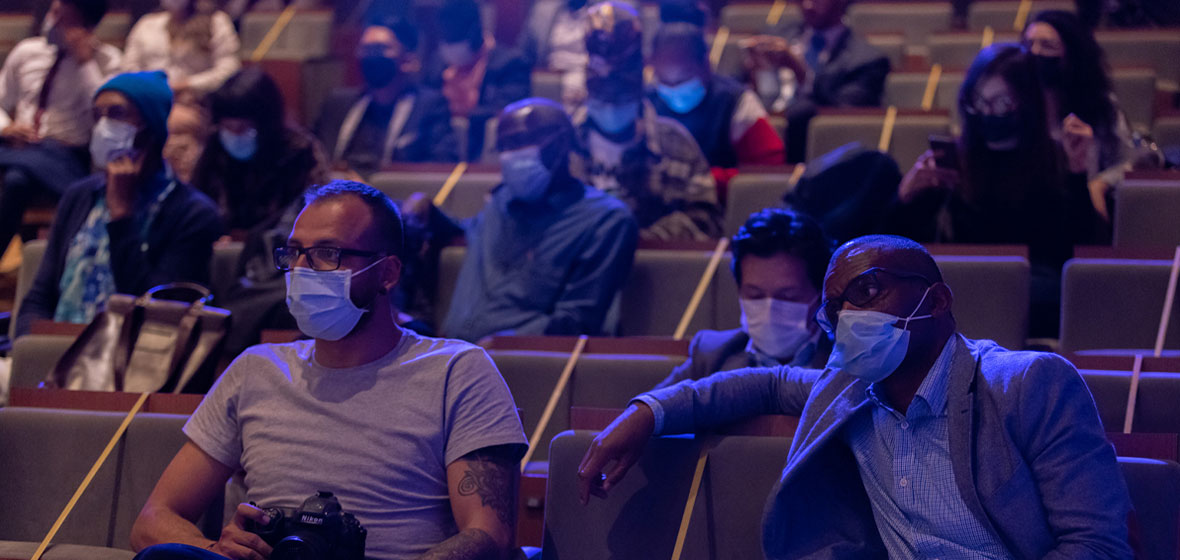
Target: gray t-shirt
x: 379, y: 436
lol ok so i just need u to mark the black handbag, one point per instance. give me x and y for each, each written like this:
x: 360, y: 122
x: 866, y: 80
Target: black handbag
x: 168, y: 340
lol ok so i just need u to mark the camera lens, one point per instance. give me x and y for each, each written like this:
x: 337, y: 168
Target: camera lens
x: 301, y: 546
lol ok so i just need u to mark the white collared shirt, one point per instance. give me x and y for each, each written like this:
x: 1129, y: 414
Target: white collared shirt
x: 150, y: 47
x: 67, y: 116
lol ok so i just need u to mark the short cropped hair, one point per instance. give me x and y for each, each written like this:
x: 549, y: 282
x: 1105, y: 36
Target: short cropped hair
x: 686, y: 36
x: 911, y: 254
x: 92, y: 11
x: 773, y: 231
x: 387, y: 219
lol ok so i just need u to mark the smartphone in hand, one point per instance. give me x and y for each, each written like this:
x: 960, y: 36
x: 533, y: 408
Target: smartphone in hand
x: 945, y: 150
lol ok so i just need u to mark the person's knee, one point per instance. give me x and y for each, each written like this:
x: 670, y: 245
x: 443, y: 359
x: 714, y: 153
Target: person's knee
x: 16, y: 179
x: 176, y: 551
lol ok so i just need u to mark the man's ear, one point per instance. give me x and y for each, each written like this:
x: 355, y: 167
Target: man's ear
x: 942, y: 298
x: 391, y: 274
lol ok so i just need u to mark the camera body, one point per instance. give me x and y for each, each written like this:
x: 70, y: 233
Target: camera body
x: 317, y: 530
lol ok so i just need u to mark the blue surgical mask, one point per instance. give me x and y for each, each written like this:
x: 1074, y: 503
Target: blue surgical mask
x: 241, y: 147
x: 321, y: 301
x: 611, y: 118
x: 868, y: 344
x: 683, y: 97
x: 778, y: 328
x: 525, y: 177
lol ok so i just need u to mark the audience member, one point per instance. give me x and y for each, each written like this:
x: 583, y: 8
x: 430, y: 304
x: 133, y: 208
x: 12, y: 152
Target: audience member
x: 914, y: 441
x: 190, y: 40
x: 129, y: 228
x: 1012, y: 184
x: 555, y: 40
x: 547, y: 254
x: 256, y: 168
x: 779, y: 259
x: 47, y: 86
x: 188, y: 131
x: 417, y: 437
x: 1072, y: 68
x: 650, y: 162
x: 477, y: 76
x: 800, y: 68
x: 727, y: 120
x: 391, y: 118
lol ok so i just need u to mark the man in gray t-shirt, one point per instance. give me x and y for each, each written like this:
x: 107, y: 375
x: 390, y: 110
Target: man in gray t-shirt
x: 417, y: 437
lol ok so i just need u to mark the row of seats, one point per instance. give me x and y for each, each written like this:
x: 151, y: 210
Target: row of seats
x: 48, y: 451
x: 991, y: 293
x: 46, y: 454
x: 924, y: 17
x: 1134, y: 87
x: 641, y: 518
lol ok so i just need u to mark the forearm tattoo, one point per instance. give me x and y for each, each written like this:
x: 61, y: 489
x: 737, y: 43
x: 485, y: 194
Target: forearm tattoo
x: 471, y: 544
x: 494, y: 478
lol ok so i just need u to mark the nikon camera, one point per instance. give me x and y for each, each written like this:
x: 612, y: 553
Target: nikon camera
x: 317, y: 530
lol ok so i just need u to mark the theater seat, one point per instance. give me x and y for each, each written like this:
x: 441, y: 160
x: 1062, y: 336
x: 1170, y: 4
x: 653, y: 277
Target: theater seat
x: 1155, y: 403
x: 905, y: 90
x: 449, y: 263
x: 1156, y: 48
x: 991, y: 296
x: 612, y: 380
x: 46, y: 454
x: 531, y: 377
x: 751, y: 18
x: 1145, y: 214
x: 35, y: 355
x: 1000, y: 15
x: 465, y: 201
x: 1135, y: 89
x: 916, y: 19
x: 307, y: 36
x: 831, y: 129
x: 751, y: 192
x: 658, y: 291
x: 1155, y: 494
x: 1115, y: 304
x: 1166, y: 131
x: 956, y: 50
x: 641, y: 516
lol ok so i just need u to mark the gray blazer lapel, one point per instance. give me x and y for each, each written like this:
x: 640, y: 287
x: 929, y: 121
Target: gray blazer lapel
x: 961, y: 432
x: 847, y: 403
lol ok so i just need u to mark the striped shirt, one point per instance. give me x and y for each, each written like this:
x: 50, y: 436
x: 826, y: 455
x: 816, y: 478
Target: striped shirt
x: 905, y: 465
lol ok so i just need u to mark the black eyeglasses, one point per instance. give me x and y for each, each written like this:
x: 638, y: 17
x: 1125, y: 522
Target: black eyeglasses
x: 321, y: 259
x: 860, y: 292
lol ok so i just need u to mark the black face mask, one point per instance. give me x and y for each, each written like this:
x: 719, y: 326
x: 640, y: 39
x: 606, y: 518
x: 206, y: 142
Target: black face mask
x: 378, y: 71
x: 1001, y: 129
x: 1050, y: 69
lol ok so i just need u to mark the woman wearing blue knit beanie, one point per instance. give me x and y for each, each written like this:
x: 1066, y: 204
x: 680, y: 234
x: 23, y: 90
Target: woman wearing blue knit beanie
x: 130, y: 226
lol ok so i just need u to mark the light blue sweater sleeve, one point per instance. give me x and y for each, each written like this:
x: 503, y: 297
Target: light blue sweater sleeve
x: 729, y: 396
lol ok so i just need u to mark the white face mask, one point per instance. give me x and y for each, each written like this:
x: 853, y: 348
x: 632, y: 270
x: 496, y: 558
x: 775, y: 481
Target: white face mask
x: 525, y: 176
x: 778, y: 328
x: 868, y: 344
x: 321, y: 301
x: 110, y: 139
